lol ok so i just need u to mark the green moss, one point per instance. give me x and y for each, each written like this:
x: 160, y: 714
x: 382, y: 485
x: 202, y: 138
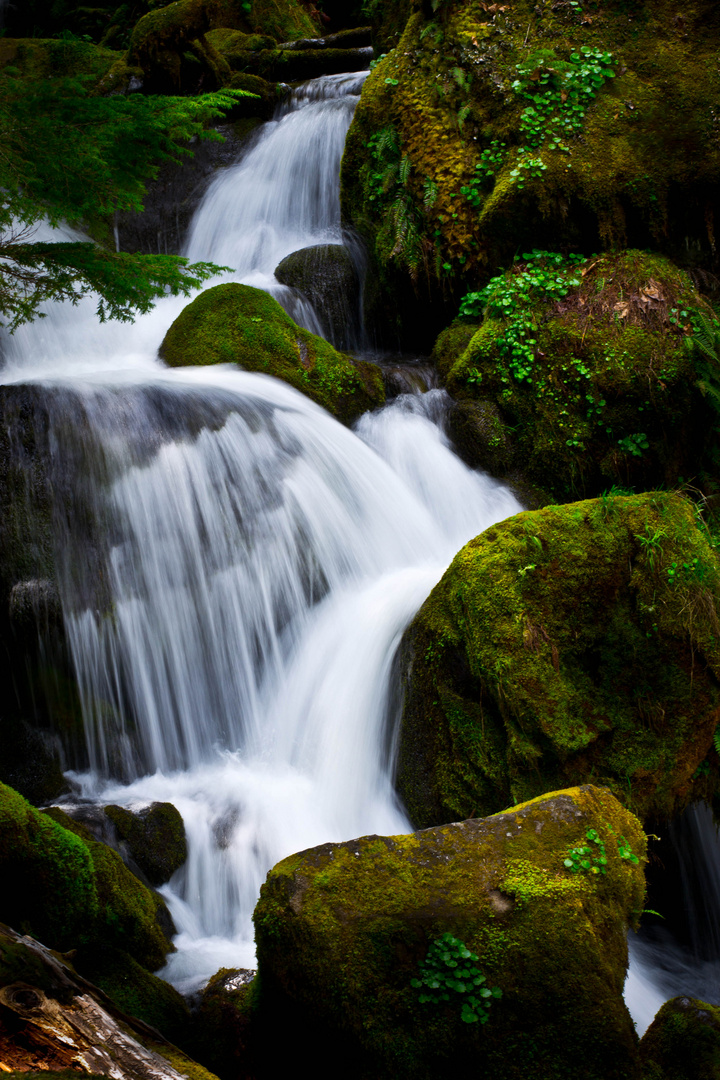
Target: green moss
x: 243, y: 325
x: 38, y: 59
x: 224, y: 1024
x: 342, y: 928
x: 127, y: 911
x: 155, y: 837
x: 49, y: 883
x: 642, y: 171
x: 611, y: 394
x: 683, y: 1042
x: 561, y: 646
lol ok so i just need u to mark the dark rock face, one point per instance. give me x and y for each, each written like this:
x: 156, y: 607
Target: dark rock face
x: 155, y: 838
x: 343, y: 929
x: 557, y: 648
x: 683, y: 1042
x: 327, y: 275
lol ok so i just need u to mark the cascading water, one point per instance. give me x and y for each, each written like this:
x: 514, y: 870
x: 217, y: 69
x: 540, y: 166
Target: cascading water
x: 259, y: 562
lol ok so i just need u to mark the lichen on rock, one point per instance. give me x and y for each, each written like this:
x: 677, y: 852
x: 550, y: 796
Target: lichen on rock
x: 564, y: 645
x: 342, y: 930
x: 243, y: 325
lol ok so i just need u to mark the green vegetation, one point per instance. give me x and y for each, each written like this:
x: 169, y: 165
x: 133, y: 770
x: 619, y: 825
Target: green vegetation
x: 587, y: 860
x: 448, y: 973
x: 595, y: 380
x: 683, y: 1041
x: 241, y: 325
x: 556, y: 651
x: 73, y: 157
x: 351, y: 937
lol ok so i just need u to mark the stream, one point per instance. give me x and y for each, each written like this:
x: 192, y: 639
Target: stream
x: 259, y: 564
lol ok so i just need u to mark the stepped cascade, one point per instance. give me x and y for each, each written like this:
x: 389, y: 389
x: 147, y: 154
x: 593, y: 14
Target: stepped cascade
x: 259, y: 562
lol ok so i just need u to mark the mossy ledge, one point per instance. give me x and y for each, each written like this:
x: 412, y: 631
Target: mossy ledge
x: 570, y: 644
x: 242, y: 325
x: 342, y: 928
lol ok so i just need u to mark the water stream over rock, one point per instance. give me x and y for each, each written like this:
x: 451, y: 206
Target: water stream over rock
x: 258, y: 561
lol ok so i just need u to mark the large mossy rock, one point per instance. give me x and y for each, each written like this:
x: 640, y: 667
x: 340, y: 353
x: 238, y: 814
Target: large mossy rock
x: 611, y: 388
x: 489, y: 130
x: 683, y: 1042
x: 326, y: 274
x: 56, y: 1022
x: 564, y: 645
x: 69, y: 890
x: 226, y: 1033
x: 342, y: 930
x: 242, y: 325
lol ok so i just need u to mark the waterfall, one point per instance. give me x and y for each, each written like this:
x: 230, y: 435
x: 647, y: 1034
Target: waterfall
x: 254, y: 563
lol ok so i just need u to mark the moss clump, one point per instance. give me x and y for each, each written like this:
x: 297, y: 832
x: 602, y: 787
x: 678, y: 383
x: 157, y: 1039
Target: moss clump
x: 640, y: 169
x: 155, y: 838
x: 607, y: 392
x: 50, y: 886
x: 341, y: 930
x: 128, y: 915
x: 683, y: 1042
x: 569, y: 643
x: 38, y: 59
x: 242, y: 325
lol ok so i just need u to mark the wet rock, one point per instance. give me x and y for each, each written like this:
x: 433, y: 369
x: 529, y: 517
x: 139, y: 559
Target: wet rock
x: 565, y: 644
x: 683, y: 1042
x: 327, y: 275
x: 155, y: 838
x: 226, y: 1034
x: 242, y: 325
x: 31, y: 761
x: 343, y: 929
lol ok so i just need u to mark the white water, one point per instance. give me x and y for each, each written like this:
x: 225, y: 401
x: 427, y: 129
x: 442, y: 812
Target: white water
x: 261, y: 560
x: 264, y: 562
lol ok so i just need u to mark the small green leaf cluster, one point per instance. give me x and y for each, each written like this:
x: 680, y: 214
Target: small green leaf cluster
x: 626, y: 852
x: 490, y: 161
x: 546, y: 276
x: 559, y: 94
x: 448, y: 973
x: 586, y: 859
x: 634, y: 444
x: 695, y: 570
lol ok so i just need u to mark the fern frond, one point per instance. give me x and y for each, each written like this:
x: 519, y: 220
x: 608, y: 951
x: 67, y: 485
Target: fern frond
x: 404, y: 170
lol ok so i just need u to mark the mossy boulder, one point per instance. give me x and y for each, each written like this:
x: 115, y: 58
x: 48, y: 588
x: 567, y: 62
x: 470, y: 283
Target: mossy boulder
x: 242, y: 325
x: 342, y: 930
x: 566, y: 644
x: 492, y: 128
x: 155, y: 838
x: 224, y: 1022
x: 261, y: 56
x: 608, y: 390
x: 683, y: 1042
x: 35, y: 58
x: 327, y: 275
x: 68, y: 890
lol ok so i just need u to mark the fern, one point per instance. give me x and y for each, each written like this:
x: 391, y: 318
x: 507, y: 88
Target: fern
x: 404, y: 170
x: 716, y: 739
